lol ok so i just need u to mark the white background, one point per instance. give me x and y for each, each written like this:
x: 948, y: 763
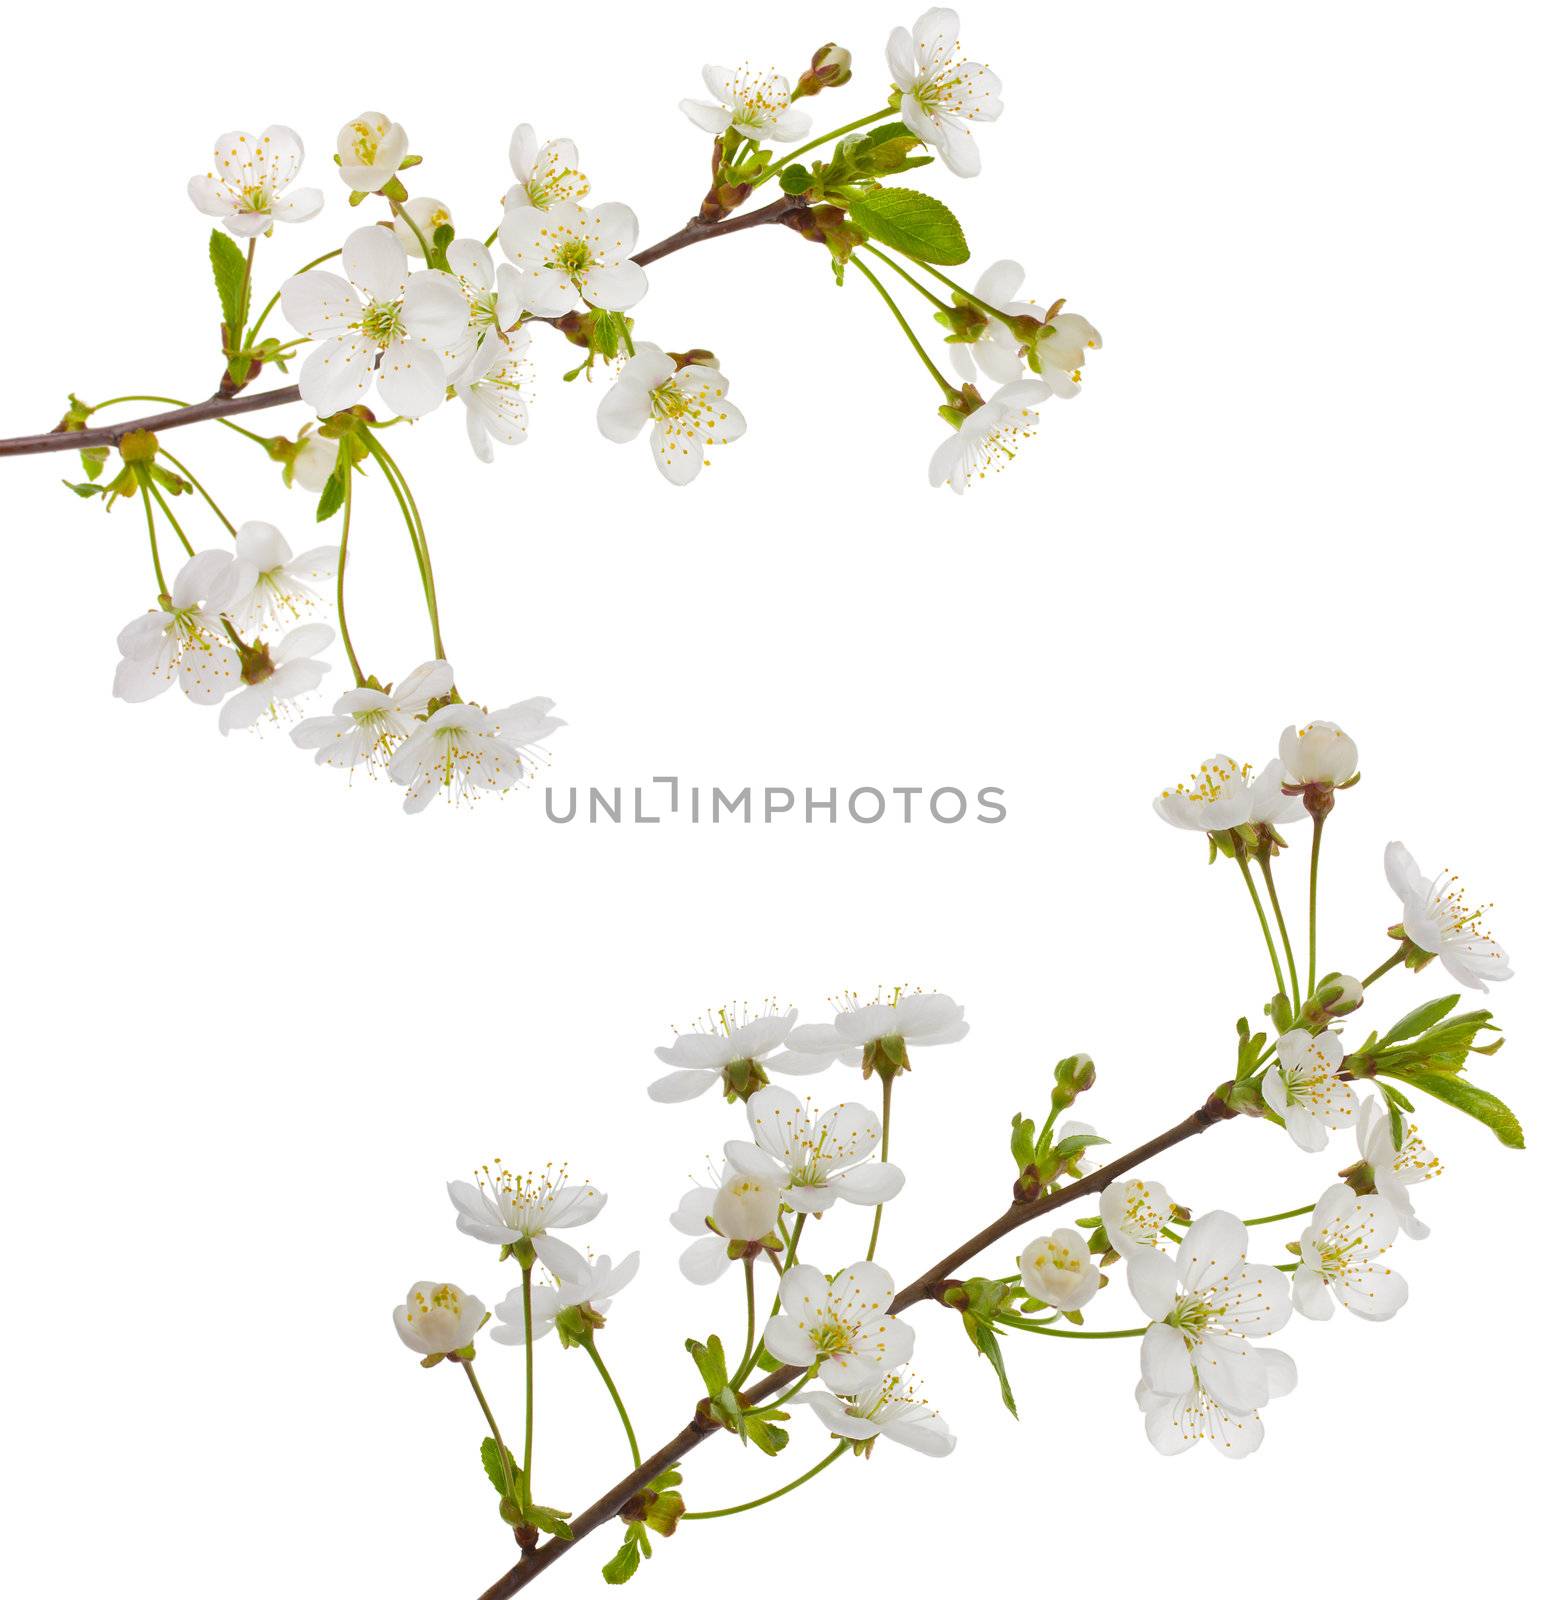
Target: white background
x: 259, y: 1018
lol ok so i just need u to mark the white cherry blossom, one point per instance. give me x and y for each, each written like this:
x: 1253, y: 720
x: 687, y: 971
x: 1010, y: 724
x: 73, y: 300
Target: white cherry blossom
x: 1134, y: 1213
x: 913, y: 1019
x: 746, y: 1206
x: 376, y: 322
x: 370, y: 149
x: 493, y: 388
x: 844, y: 1325
x: 1058, y: 1269
x: 998, y: 353
x: 267, y: 584
x: 686, y: 406
x: 1059, y: 351
x: 753, y: 102
x: 367, y: 725
x: 1340, y: 1247
x: 424, y: 214
x: 438, y: 1319
x: 503, y: 1207
x: 885, y: 1409
x: 545, y: 175
x: 314, y: 461
x: 990, y: 438
x: 1395, y: 1168
x: 182, y: 642
x: 941, y: 93
x: 291, y: 671
x: 1303, y: 1088
x: 578, y: 1281
x: 745, y: 1202
x: 492, y: 304
x: 700, y: 1057
x: 1202, y: 1376
x: 568, y: 255
x: 246, y: 186
x: 815, y: 1163
x: 1223, y: 794
x: 1438, y: 920
x: 1320, y: 753
x: 463, y: 751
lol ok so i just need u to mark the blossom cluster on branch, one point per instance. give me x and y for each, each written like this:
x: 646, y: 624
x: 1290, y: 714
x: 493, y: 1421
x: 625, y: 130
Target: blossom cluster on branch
x: 412, y: 313
x: 825, y: 1339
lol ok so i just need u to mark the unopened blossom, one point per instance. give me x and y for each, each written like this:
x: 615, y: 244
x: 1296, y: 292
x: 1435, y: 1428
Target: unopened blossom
x: 545, y: 175
x: 1303, y: 1088
x: 942, y: 94
x: 1134, y: 1213
x: 1320, y: 753
x: 888, y: 1408
x: 578, y: 1281
x: 814, y: 1162
x: 1058, y: 1269
x: 182, y: 641
x: 1340, y: 1249
x: 421, y: 215
x: 370, y: 149
x: 746, y: 1206
x: 744, y: 1203
x: 268, y: 585
x: 368, y: 725
x: 1438, y: 920
x: 998, y: 352
x: 245, y: 188
x: 990, y: 438
x: 568, y: 255
x: 438, y: 1319
x: 463, y: 751
x: 1224, y: 794
x: 492, y: 303
x: 493, y: 388
x: 1059, y: 351
x: 288, y: 670
x: 738, y: 1052
x: 753, y: 102
x: 376, y: 322
x: 883, y: 1031
x: 503, y: 1207
x: 1395, y: 1168
x: 686, y: 406
x: 314, y: 461
x: 844, y: 1325
x: 1202, y: 1376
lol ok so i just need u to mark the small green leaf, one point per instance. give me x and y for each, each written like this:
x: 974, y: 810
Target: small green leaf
x: 764, y: 1433
x: 332, y: 493
x: 1076, y: 1144
x: 624, y: 1563
x: 985, y: 1340
x: 1495, y: 1114
x: 493, y: 1465
x: 229, y: 279
x: 796, y: 179
x: 668, y: 1479
x: 710, y: 1362
x: 914, y: 223
x: 549, y: 1521
x: 1421, y: 1018
x: 84, y: 490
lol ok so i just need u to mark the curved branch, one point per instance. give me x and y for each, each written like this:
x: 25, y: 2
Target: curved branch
x: 226, y: 405
x: 538, y: 1558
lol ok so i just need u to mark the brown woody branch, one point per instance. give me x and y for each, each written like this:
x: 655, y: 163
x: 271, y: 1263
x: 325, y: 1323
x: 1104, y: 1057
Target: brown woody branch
x: 538, y: 1558
x: 226, y: 405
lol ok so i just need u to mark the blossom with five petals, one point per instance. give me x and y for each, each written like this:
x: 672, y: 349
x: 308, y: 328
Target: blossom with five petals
x: 1134, y: 1214
x: 288, y: 670
x: 844, y: 1324
x: 367, y: 725
x: 1340, y: 1246
x: 989, y: 439
x: 815, y: 1163
x: 1224, y: 795
x: 492, y: 302
x: 1059, y: 1270
x: 941, y: 94
x: 245, y: 188
x: 1439, y: 921
x: 885, y: 1409
x: 578, y: 1282
x: 568, y: 255
x: 502, y: 1207
x: 438, y: 1319
x: 998, y: 352
x: 738, y: 1053
x: 544, y: 175
x: 492, y: 387
x: 686, y: 405
x: 1394, y: 1168
x: 182, y: 642
x: 464, y: 751
x: 1303, y: 1088
x: 856, y: 1036
x: 268, y: 583
x: 754, y: 103
x: 400, y: 326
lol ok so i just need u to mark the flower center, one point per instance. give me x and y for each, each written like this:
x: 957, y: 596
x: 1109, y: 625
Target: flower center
x: 366, y: 145
x: 1216, y: 780
x: 1190, y: 1315
x: 382, y: 321
x: 832, y: 1338
x: 573, y: 256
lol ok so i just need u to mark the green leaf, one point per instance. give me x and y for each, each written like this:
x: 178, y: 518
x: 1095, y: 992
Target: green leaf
x: 84, y: 490
x: 493, y: 1465
x: 332, y: 493
x: 1418, y: 1020
x: 764, y: 1433
x: 1077, y: 1143
x: 668, y: 1479
x: 914, y: 223
x: 624, y: 1563
x: 985, y: 1340
x: 1494, y: 1113
x: 93, y: 459
x: 229, y: 280
x: 796, y: 179
x: 549, y: 1521
x: 710, y: 1362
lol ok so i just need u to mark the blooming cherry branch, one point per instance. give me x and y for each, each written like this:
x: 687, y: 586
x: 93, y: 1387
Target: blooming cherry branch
x: 826, y: 1339
x: 408, y: 312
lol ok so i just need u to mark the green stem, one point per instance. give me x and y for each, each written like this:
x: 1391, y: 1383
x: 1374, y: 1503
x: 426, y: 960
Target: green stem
x: 1394, y: 960
x: 899, y: 316
x: 155, y: 549
x: 1083, y: 1333
x: 621, y: 1410
x: 487, y: 1411
x: 751, y: 1342
x: 1312, y: 907
x: 530, y: 1378
x: 400, y: 212
x: 257, y: 326
x: 1280, y: 922
x: 776, y: 1494
x: 894, y: 266
x: 348, y: 515
x: 409, y: 509
x: 1264, y: 923
x: 230, y: 527
x: 959, y: 289
x: 814, y: 144
x: 160, y: 500
x: 168, y: 400
x: 1276, y: 1216
x: 878, y: 1210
